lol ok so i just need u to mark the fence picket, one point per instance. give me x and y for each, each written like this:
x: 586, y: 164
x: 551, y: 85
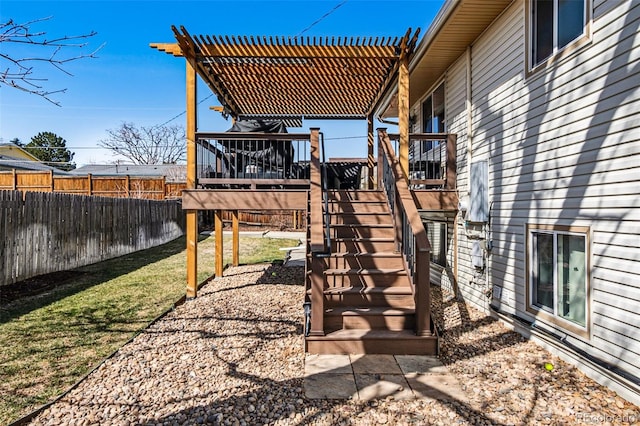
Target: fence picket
x: 48, y: 232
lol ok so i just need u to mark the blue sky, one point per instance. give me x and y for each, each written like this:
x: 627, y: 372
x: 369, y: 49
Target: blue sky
x: 131, y: 82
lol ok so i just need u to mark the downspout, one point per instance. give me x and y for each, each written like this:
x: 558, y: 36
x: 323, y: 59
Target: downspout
x: 469, y: 105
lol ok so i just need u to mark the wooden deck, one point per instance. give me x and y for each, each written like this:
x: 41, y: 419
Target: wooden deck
x: 368, y: 263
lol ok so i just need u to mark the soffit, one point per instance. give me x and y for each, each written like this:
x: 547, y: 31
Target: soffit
x: 444, y: 44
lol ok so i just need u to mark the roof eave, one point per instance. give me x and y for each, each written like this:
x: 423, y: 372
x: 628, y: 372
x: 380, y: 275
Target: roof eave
x: 424, y: 71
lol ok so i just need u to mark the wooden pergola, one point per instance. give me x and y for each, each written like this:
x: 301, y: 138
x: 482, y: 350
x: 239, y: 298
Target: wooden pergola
x: 291, y: 78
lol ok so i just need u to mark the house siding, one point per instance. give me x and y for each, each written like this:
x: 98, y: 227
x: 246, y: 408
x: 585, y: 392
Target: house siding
x: 563, y: 148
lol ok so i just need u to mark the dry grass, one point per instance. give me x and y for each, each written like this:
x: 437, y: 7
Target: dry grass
x: 50, y: 340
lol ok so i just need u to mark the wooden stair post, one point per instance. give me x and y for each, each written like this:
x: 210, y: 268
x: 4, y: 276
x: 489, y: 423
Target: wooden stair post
x: 316, y: 244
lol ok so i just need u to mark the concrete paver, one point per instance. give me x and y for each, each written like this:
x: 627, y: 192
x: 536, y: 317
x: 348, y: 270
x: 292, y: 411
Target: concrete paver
x: 330, y: 386
x: 369, y: 377
x: 331, y: 364
x: 420, y: 364
x: 374, y: 364
x: 376, y: 386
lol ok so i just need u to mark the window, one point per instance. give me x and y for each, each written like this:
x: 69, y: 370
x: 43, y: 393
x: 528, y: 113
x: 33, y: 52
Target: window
x: 555, y: 24
x: 437, y: 234
x: 433, y: 112
x: 427, y: 157
x: 558, y: 278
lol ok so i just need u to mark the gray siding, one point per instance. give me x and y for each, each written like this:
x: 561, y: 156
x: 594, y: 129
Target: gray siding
x: 563, y: 146
x: 565, y: 150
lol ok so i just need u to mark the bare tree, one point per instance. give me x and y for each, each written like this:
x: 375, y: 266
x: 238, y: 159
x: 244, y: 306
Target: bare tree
x: 17, y: 64
x: 147, y: 145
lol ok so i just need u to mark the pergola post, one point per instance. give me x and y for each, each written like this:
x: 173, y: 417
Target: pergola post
x: 370, y: 158
x: 219, y: 249
x: 235, y: 246
x: 191, y: 215
x: 403, y: 113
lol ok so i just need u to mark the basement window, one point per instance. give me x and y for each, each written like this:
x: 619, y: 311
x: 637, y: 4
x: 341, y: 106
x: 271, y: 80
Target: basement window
x: 558, y: 284
x: 437, y: 234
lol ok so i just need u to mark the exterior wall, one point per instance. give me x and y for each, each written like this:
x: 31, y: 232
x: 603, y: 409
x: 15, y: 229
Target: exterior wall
x: 498, y: 93
x: 563, y: 146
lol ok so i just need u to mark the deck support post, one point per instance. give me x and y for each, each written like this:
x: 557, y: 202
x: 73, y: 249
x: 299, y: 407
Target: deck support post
x: 370, y: 158
x: 191, y: 215
x: 235, y: 246
x: 192, y: 253
x: 219, y: 249
x: 423, y: 294
x: 403, y: 114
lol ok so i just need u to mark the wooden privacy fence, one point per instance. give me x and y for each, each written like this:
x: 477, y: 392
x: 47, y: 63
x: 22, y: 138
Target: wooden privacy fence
x: 48, y: 232
x: 154, y: 188
x: 288, y: 219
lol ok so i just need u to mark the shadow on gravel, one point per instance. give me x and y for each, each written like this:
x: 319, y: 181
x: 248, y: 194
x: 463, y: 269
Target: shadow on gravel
x: 262, y: 400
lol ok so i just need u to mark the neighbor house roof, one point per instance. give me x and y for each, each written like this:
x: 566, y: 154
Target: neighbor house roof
x: 172, y: 172
x: 12, y: 150
x: 289, y: 77
x: 14, y: 157
x: 456, y: 26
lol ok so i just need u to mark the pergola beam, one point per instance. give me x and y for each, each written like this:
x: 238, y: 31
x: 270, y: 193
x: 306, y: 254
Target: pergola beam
x: 305, y: 76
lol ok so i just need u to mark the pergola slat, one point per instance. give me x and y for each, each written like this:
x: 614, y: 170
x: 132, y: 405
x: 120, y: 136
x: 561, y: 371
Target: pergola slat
x: 330, y: 77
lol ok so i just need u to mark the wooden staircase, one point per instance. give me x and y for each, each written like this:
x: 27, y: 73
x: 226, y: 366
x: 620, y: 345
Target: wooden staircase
x: 367, y: 302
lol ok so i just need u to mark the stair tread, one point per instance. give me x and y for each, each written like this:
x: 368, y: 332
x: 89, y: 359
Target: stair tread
x: 365, y: 239
x: 367, y: 254
x: 362, y: 225
x: 374, y: 310
x: 403, y: 290
x: 365, y: 334
x: 388, y: 213
x: 338, y: 271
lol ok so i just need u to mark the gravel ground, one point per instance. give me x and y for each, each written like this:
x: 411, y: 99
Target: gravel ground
x: 234, y: 356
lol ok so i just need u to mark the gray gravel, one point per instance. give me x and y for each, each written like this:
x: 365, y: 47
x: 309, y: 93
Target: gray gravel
x: 234, y: 356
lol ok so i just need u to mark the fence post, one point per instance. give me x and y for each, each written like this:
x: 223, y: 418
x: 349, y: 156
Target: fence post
x: 14, y: 180
x: 90, y: 187
x: 127, y: 186
x: 51, y: 180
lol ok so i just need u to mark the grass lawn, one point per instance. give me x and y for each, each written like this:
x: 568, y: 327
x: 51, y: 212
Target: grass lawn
x: 50, y: 340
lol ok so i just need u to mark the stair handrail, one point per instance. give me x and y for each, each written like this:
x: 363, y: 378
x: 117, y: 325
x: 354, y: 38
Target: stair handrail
x: 317, y: 241
x: 411, y: 236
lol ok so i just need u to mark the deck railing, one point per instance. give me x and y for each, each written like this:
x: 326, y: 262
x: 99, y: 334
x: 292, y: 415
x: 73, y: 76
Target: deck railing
x: 252, y: 160
x: 432, y: 160
x: 411, y: 237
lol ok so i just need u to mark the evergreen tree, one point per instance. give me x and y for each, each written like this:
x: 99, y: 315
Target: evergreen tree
x: 51, y: 149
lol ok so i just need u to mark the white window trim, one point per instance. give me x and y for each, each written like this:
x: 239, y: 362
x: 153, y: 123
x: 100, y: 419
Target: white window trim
x: 445, y: 241
x: 544, y: 314
x: 564, y: 51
